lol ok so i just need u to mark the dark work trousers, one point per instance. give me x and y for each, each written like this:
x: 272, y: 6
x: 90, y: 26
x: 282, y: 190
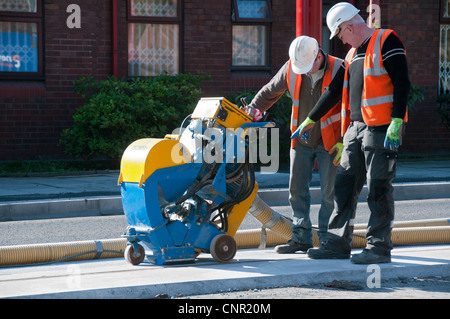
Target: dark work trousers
x: 364, y: 158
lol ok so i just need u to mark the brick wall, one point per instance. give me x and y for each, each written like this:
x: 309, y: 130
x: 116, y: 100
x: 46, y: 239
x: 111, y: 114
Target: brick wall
x: 416, y: 23
x: 208, y: 44
x: 419, y: 30
x: 34, y: 113
x: 22, y: 119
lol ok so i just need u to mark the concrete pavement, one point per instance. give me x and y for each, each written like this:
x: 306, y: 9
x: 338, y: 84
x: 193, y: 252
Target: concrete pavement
x: 104, y: 183
x: 250, y: 269
x: 95, y: 194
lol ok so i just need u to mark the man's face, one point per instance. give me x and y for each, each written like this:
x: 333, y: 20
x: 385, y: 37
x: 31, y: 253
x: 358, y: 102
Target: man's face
x: 346, y: 33
x: 317, y: 63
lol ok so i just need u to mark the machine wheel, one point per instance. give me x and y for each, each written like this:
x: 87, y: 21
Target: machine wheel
x: 223, y: 248
x: 131, y: 257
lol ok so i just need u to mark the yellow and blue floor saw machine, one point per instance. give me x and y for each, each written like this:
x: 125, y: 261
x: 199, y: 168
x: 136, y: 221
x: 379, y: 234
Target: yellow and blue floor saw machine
x: 188, y: 193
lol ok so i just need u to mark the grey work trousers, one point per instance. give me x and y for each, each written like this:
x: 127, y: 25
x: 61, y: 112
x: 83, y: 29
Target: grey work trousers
x: 364, y: 158
x: 301, y: 168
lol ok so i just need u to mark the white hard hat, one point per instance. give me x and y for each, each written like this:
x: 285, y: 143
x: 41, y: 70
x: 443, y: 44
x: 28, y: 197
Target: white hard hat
x: 339, y: 13
x: 303, y: 52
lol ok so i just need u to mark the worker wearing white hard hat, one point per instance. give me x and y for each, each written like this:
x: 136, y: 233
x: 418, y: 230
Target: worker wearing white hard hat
x: 374, y: 90
x: 303, y: 52
x: 338, y: 14
x: 305, y: 75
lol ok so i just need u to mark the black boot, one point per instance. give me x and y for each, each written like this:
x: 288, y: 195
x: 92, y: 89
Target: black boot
x: 370, y: 257
x: 291, y: 247
x: 325, y: 253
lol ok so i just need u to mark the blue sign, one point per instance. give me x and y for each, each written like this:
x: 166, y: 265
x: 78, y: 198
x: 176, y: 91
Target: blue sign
x: 18, y: 52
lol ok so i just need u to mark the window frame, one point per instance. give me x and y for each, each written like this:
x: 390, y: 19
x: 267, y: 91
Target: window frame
x: 266, y: 22
x: 442, y: 19
x: 253, y: 20
x: 444, y: 30
x: 265, y: 67
x: 154, y: 20
x: 27, y: 17
x: 158, y: 20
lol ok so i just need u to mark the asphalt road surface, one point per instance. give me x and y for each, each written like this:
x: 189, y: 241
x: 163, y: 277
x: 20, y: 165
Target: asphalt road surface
x: 106, y: 227
x: 437, y: 287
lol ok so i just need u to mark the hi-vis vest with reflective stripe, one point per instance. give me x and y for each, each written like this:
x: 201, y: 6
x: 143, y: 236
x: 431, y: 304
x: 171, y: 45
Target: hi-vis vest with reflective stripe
x: 378, y: 90
x: 330, y: 124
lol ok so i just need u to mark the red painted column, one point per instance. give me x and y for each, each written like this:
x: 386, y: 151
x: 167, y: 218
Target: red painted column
x: 309, y: 18
x: 299, y: 18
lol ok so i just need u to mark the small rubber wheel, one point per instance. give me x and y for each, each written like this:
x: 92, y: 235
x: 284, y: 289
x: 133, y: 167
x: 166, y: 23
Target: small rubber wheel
x: 131, y: 257
x: 223, y: 248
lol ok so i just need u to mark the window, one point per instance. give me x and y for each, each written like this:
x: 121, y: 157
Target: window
x: 445, y: 11
x: 444, y: 59
x: 20, y: 38
x: 251, y: 23
x: 444, y: 50
x: 153, y: 37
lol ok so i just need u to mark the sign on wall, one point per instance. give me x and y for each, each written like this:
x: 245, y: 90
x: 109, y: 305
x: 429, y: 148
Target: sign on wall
x: 18, y: 47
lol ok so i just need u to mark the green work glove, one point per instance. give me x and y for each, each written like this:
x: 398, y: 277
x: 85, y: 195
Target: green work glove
x: 338, y: 148
x: 393, y: 135
x: 303, y: 130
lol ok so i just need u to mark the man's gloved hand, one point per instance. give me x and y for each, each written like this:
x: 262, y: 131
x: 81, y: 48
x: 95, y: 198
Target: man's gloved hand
x: 253, y: 112
x: 393, y: 135
x: 338, y: 148
x: 303, y: 130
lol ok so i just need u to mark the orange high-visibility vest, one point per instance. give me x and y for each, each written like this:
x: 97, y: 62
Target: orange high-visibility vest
x: 378, y: 90
x: 330, y: 124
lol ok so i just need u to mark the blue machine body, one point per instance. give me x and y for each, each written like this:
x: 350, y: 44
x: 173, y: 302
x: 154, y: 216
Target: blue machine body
x: 168, y: 240
x: 179, y: 205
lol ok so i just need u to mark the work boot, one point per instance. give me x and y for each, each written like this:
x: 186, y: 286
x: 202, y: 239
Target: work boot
x: 324, y: 253
x: 370, y: 257
x: 291, y: 247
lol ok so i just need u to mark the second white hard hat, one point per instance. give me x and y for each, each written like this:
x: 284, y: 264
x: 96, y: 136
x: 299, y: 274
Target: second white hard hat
x: 303, y: 52
x: 339, y: 13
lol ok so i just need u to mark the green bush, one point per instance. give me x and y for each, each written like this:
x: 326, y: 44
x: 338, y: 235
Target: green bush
x: 443, y: 108
x: 416, y: 94
x: 118, y: 112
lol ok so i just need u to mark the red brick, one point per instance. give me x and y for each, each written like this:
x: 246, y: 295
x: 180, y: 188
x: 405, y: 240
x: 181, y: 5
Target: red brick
x: 35, y: 112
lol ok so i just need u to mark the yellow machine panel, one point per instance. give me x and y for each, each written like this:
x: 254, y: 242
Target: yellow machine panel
x: 145, y: 156
x: 222, y: 111
x: 239, y: 211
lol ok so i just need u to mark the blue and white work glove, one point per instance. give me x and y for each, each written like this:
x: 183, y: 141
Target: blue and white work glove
x: 303, y: 130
